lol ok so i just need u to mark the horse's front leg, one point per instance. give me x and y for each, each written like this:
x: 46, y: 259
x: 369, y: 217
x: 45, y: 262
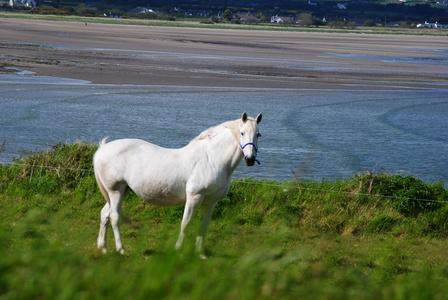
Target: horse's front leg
x: 191, y: 207
x: 206, y: 213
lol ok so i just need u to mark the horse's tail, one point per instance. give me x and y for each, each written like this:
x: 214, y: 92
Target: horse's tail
x: 103, y: 142
x: 97, y: 175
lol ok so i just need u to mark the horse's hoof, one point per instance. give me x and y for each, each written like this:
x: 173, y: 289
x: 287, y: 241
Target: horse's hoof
x: 203, y: 256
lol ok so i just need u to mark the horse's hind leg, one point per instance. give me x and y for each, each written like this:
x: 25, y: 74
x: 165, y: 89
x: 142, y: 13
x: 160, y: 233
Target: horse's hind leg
x: 103, y: 228
x: 116, y: 198
x: 111, y: 211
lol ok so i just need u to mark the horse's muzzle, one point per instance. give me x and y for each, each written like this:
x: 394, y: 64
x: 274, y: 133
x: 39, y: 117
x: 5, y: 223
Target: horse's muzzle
x: 250, y: 161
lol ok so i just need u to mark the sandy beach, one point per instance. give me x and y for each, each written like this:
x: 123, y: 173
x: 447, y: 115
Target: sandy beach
x: 152, y: 55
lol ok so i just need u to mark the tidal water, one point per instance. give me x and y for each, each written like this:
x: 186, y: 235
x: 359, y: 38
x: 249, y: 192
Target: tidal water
x: 312, y: 134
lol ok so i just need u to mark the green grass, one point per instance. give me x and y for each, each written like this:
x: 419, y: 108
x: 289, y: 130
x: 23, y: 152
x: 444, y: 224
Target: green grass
x: 267, y: 240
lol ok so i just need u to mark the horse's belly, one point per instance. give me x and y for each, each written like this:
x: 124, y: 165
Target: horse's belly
x: 164, y: 201
x: 162, y: 196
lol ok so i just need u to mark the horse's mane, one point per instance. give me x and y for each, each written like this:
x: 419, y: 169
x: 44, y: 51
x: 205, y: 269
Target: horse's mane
x: 213, y: 131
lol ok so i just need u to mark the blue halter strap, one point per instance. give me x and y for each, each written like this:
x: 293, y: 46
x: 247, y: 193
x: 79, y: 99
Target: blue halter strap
x: 255, y: 147
x: 247, y: 144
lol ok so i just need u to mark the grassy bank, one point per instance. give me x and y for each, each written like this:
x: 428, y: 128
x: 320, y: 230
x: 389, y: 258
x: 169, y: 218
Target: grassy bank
x: 374, y: 236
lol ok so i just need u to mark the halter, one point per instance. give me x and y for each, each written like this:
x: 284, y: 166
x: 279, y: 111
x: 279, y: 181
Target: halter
x: 248, y: 144
x: 255, y: 147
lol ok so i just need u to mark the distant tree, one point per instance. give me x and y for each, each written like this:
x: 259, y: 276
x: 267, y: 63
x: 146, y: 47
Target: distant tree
x: 305, y: 19
x: 369, y: 23
x: 165, y: 16
x: 288, y: 21
x: 227, y: 15
x: 262, y: 18
x: 318, y: 22
x: 251, y: 20
x: 352, y: 25
x: 403, y: 24
x: 84, y: 10
x: 336, y: 24
x: 69, y: 9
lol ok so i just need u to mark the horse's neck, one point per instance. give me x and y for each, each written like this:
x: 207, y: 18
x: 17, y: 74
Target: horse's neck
x: 233, y: 153
x: 225, y: 147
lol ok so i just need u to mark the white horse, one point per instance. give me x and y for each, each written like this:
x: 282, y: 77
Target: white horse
x: 197, y: 175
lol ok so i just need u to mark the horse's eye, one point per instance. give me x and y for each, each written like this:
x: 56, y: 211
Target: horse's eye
x: 242, y: 133
x: 258, y: 135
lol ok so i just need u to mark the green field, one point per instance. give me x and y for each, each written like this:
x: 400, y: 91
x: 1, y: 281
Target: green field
x: 374, y: 236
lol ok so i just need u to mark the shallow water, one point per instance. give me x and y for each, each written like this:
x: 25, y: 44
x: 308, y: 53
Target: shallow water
x: 318, y: 134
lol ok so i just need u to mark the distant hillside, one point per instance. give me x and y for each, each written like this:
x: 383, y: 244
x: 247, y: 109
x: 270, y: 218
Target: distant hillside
x: 380, y: 12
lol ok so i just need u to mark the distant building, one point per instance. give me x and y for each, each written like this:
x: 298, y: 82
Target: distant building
x: 432, y: 25
x: 281, y: 20
x: 247, y: 17
x: 276, y: 19
x: 141, y: 10
x: 20, y: 3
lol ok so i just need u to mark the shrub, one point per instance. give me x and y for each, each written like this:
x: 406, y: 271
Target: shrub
x: 84, y: 10
x: 437, y: 222
x: 61, y: 167
x: 409, y: 195
x: 369, y: 23
x: 382, y: 224
x: 227, y: 15
x: 342, y: 24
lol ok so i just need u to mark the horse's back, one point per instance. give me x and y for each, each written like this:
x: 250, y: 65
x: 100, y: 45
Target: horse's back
x: 134, y: 156
x: 151, y: 171
x: 119, y: 153
x: 129, y: 150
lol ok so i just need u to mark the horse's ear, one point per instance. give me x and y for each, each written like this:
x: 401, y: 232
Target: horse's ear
x: 259, y: 117
x: 244, y: 117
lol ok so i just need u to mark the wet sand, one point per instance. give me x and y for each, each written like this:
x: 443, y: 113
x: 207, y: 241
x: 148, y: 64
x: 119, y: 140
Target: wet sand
x: 152, y: 55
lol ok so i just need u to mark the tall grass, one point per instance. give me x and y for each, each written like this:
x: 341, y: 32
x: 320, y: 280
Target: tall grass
x: 374, y: 236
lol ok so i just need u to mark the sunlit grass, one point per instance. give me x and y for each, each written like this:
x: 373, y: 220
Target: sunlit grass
x: 267, y: 240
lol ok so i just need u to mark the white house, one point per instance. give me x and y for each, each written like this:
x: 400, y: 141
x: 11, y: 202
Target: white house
x: 432, y: 25
x: 276, y: 19
x: 342, y: 5
x: 141, y: 10
x: 27, y: 3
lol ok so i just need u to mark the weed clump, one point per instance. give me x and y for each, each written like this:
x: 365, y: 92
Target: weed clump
x: 60, y: 167
x: 409, y: 196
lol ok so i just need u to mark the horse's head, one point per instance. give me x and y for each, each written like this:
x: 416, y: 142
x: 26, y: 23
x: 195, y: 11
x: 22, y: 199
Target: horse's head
x: 249, y: 135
